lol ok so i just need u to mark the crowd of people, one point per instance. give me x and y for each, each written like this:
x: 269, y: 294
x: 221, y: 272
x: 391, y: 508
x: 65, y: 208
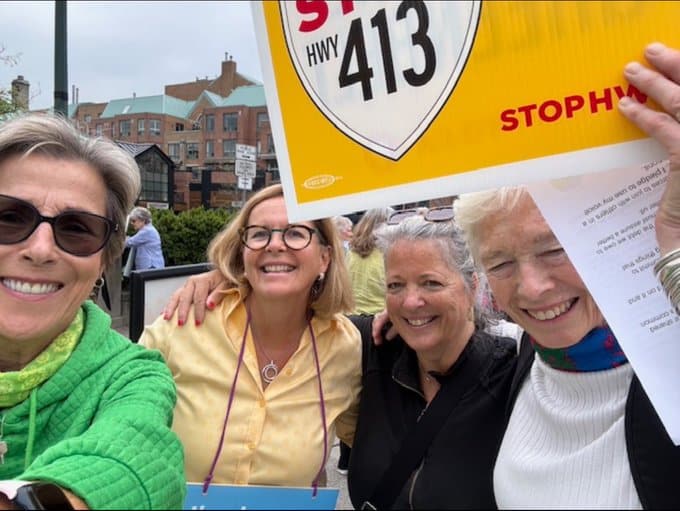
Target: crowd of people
x: 256, y: 366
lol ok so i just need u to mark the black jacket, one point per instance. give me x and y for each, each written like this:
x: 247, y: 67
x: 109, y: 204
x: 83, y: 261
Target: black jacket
x: 457, y: 471
x: 654, y: 459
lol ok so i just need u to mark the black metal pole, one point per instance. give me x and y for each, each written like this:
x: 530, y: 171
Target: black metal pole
x: 60, y: 59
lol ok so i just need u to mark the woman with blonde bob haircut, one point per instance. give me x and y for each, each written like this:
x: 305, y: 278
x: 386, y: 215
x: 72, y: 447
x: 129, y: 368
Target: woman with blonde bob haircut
x: 274, y: 372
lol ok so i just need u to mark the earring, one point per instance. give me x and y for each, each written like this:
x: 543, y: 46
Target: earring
x: 98, y: 284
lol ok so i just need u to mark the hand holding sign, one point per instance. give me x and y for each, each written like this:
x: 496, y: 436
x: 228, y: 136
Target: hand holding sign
x: 663, y: 85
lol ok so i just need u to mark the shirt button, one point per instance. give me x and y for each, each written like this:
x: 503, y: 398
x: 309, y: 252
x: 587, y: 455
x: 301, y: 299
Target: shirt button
x: 252, y: 446
x: 288, y: 371
x: 262, y: 403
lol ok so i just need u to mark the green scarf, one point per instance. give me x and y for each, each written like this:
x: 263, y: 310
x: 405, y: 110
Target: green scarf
x: 16, y: 386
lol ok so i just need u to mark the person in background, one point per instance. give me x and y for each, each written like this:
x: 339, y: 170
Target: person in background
x: 367, y: 276
x: 146, y: 242
x: 84, y: 413
x: 273, y: 374
x: 365, y: 263
x: 345, y: 228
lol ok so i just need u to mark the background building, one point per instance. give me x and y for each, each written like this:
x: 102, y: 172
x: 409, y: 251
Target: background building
x: 195, y: 127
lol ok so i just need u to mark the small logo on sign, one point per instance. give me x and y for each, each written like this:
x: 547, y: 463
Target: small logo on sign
x: 380, y: 71
x: 321, y: 181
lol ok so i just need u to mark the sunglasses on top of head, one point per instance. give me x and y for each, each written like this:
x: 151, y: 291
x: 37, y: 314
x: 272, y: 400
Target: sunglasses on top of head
x: 438, y: 214
x: 76, y: 232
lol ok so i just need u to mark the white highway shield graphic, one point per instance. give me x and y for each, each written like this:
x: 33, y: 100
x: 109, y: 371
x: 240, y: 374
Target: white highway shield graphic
x: 380, y: 71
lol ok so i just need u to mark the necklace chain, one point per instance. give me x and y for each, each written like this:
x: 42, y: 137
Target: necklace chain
x: 270, y: 370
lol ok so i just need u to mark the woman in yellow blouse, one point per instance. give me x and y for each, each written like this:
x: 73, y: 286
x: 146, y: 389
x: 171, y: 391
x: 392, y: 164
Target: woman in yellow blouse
x: 266, y: 382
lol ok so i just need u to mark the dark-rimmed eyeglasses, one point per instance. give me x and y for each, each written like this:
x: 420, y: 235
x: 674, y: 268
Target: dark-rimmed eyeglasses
x: 78, y: 233
x: 295, y: 237
x: 438, y: 214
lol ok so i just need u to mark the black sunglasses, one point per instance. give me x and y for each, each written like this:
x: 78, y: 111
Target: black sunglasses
x: 77, y: 232
x: 439, y: 214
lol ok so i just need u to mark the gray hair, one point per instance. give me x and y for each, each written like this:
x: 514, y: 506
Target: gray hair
x: 454, y: 251
x: 342, y: 222
x: 56, y: 137
x: 140, y: 213
x: 471, y: 209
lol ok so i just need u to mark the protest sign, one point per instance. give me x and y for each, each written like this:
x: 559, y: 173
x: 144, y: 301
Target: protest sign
x: 379, y: 103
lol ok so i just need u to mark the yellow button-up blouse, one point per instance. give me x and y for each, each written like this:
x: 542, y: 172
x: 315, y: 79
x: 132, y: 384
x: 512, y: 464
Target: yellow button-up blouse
x: 274, y: 436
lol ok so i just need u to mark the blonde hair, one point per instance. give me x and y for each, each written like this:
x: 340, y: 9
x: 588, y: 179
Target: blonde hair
x: 225, y: 252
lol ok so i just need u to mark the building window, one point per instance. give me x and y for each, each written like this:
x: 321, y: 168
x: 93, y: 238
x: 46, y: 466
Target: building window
x: 154, y: 126
x: 229, y: 148
x: 231, y: 122
x: 270, y: 144
x: 179, y: 126
x: 262, y: 119
x: 210, y: 122
x: 173, y: 150
x: 140, y: 126
x: 88, y: 119
x: 154, y: 173
x: 125, y: 128
x: 99, y: 130
x: 192, y: 151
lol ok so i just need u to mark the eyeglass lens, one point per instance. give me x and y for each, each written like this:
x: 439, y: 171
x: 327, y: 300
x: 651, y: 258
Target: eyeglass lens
x: 77, y: 232
x: 295, y: 237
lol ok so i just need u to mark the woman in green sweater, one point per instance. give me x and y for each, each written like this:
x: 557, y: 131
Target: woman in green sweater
x: 84, y: 414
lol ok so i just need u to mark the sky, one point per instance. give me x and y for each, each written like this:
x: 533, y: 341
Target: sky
x: 119, y: 48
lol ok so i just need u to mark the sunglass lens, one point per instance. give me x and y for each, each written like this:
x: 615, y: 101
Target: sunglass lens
x: 439, y: 215
x: 81, y: 234
x: 400, y: 216
x: 17, y: 220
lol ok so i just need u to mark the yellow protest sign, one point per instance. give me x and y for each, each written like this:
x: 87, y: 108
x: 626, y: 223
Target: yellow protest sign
x: 384, y: 102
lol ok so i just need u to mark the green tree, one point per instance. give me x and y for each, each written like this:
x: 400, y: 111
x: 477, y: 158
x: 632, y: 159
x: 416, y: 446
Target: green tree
x: 186, y: 235
x: 6, y: 103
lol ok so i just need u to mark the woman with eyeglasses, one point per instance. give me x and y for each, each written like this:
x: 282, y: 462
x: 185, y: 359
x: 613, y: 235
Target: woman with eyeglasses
x: 273, y: 373
x: 84, y: 413
x: 411, y: 442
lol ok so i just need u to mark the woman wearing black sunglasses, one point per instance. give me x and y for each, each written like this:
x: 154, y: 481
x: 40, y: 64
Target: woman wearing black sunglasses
x: 84, y: 413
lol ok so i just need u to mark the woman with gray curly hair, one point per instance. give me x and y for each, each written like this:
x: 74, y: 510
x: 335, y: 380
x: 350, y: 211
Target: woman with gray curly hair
x: 84, y: 413
x: 442, y: 360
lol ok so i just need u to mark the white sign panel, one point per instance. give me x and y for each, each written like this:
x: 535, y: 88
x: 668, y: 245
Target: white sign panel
x: 605, y: 222
x: 244, y: 168
x: 245, y: 152
x: 245, y: 183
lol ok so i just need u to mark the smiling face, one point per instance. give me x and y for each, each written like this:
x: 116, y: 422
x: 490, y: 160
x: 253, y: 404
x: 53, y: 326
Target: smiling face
x: 533, y: 280
x: 277, y: 272
x: 41, y: 286
x: 428, y: 302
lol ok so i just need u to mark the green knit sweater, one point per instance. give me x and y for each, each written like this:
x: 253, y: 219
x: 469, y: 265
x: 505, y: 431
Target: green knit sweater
x: 101, y: 425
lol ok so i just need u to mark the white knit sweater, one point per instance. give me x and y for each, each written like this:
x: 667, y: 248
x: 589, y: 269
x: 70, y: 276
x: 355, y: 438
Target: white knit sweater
x: 565, y: 446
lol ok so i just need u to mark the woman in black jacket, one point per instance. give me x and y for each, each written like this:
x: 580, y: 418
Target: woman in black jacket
x: 432, y: 402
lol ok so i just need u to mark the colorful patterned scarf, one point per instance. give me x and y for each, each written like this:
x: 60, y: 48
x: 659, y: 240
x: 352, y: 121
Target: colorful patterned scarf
x: 16, y: 386
x: 598, y: 350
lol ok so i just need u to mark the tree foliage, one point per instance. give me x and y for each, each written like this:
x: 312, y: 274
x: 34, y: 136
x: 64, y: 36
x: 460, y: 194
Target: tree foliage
x: 186, y: 235
x: 6, y: 103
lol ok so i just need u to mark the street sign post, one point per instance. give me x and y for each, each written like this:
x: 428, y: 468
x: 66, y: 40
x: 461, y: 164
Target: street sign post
x: 246, y: 152
x: 244, y: 168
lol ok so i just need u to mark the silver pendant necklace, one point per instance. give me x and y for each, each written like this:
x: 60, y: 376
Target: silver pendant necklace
x: 270, y: 371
